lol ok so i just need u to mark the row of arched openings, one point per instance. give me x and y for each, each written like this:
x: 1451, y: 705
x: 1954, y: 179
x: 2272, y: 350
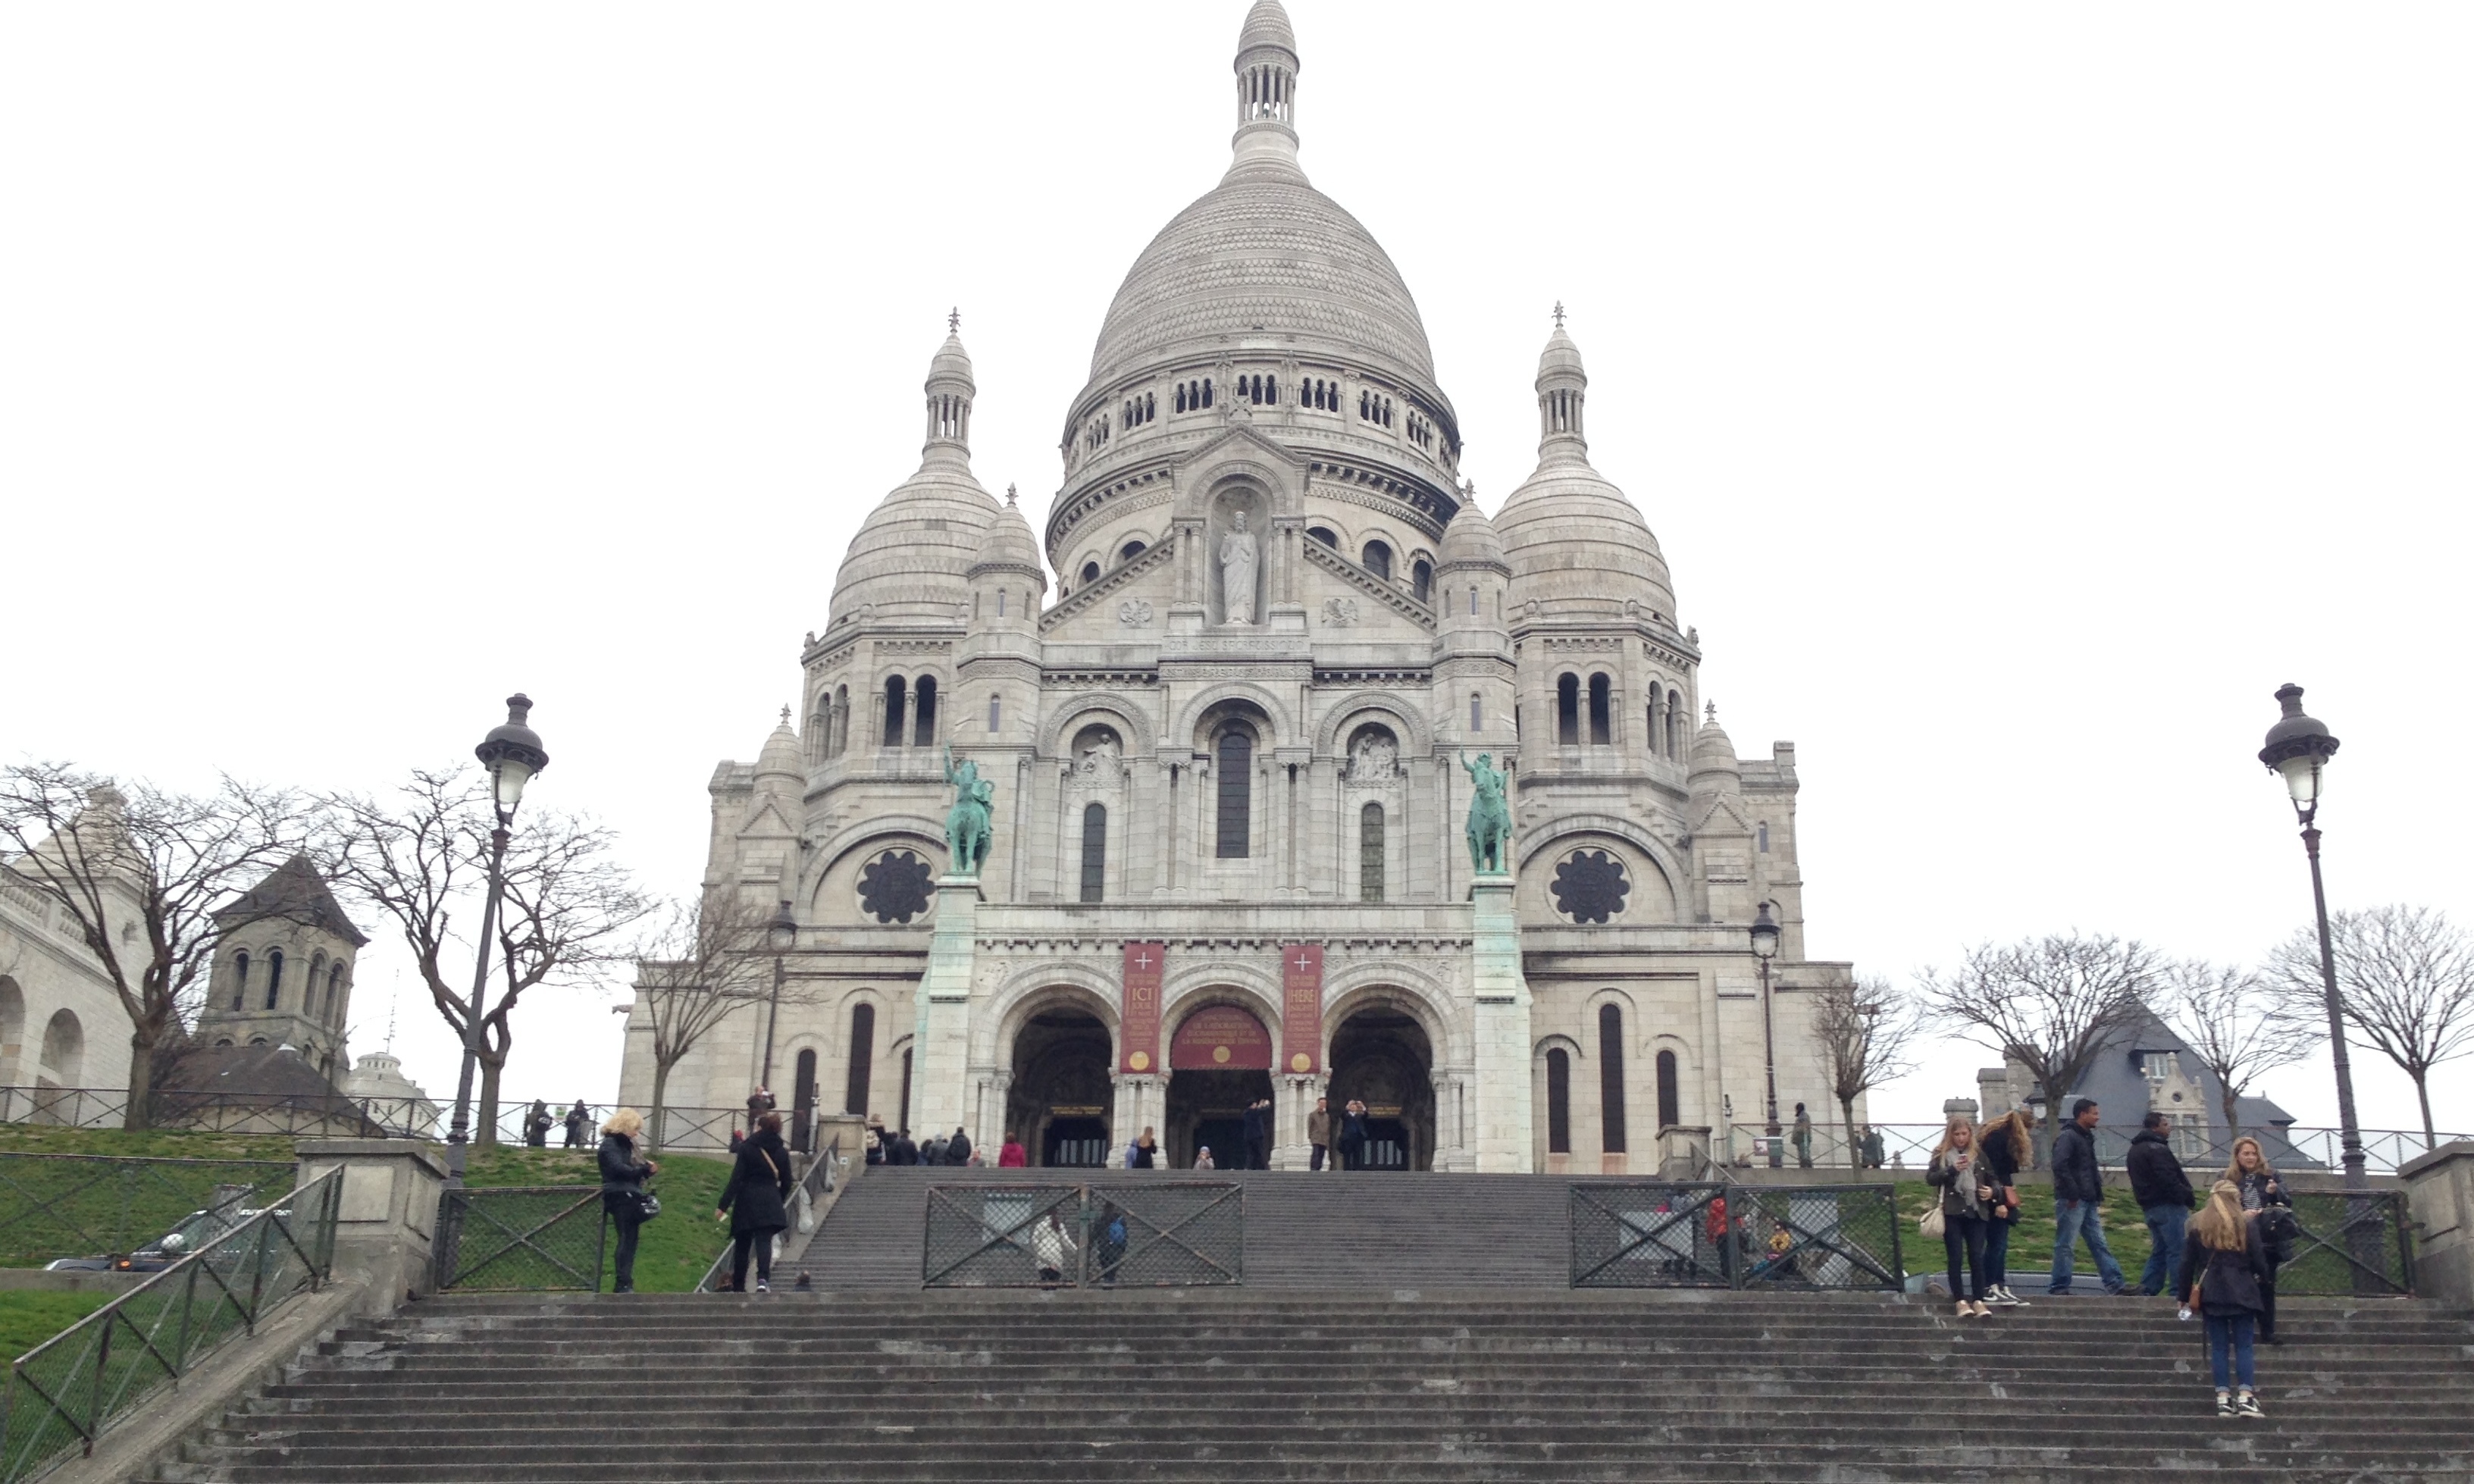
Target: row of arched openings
x: 910, y: 710
x: 333, y: 986
x: 1667, y: 713
x: 1613, y: 1137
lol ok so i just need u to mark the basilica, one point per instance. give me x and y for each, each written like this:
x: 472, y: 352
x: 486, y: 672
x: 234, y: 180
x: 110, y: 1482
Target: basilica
x: 1228, y: 754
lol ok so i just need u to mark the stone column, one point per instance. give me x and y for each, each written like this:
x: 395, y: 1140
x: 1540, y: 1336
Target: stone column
x: 2439, y: 1195
x: 388, y: 1209
x: 1502, y: 1114
x: 1292, y: 1097
x: 940, y: 1037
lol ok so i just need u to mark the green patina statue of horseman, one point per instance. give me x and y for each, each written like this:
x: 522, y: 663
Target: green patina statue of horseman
x: 969, y: 823
x: 1490, y: 818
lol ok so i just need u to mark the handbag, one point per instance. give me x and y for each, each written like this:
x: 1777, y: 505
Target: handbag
x: 647, y: 1205
x: 1933, y: 1223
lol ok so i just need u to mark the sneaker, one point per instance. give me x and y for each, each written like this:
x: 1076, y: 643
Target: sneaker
x: 2224, y: 1404
x: 2015, y: 1300
x: 763, y: 1286
x: 2003, y: 1298
x: 2248, y: 1407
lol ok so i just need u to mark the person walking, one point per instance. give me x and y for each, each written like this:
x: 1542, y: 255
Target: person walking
x: 958, y: 1149
x: 1318, y: 1133
x: 2078, y: 1195
x: 753, y: 1202
x: 1258, y: 1135
x: 623, y: 1197
x: 2163, y: 1190
x: 2005, y: 1148
x: 1012, y: 1156
x: 902, y: 1151
x: 1802, y: 1138
x: 2224, y: 1270
x: 538, y: 1121
x: 1353, y: 1135
x: 1144, y: 1155
x: 2263, y: 1194
x: 1967, y: 1201
x: 934, y: 1151
x: 578, y: 1119
x: 874, y: 1144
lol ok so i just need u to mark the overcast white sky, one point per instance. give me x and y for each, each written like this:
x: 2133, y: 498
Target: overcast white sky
x: 2020, y: 394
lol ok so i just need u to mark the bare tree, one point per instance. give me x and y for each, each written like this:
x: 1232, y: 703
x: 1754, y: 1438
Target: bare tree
x: 421, y: 856
x: 2238, y: 1025
x: 140, y: 874
x: 2405, y: 980
x: 1868, y: 1033
x: 694, y: 975
x: 2053, y: 1003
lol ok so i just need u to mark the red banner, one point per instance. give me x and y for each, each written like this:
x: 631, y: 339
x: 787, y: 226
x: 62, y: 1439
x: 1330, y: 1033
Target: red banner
x: 1220, y: 1038
x: 1302, y: 1008
x: 1140, y: 1022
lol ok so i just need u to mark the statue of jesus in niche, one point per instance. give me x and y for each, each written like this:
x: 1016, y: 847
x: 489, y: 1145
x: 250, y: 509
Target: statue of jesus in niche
x: 1238, y: 556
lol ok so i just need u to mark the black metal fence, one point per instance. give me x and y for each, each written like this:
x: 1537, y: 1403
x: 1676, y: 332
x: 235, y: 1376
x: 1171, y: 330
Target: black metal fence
x: 67, y: 1391
x: 1675, y: 1234
x: 2353, y: 1243
x: 521, y: 1239
x: 90, y: 1205
x: 1178, y: 1233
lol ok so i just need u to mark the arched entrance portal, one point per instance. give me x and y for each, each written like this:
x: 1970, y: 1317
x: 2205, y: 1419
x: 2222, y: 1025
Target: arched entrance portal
x: 1059, y: 1101
x: 1381, y: 1057
x: 1220, y: 1064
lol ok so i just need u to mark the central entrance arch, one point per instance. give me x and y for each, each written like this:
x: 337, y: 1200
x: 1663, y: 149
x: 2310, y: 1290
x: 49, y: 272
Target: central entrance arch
x: 1382, y: 1058
x: 1062, y: 1095
x: 1220, y: 1064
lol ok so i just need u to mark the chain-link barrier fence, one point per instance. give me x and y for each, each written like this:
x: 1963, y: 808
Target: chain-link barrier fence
x: 1177, y: 1234
x: 2359, y: 1244
x: 67, y: 1391
x: 521, y: 1239
x: 89, y: 1206
x: 1672, y: 1234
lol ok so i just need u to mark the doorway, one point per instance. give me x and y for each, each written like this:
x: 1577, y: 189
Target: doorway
x: 1381, y: 1057
x: 1063, y: 1094
x: 1207, y: 1109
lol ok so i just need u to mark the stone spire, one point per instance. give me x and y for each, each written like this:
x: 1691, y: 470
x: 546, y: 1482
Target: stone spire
x: 950, y: 390
x: 1267, y: 95
x: 1562, y: 386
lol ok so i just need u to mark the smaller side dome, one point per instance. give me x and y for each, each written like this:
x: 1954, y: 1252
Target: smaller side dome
x: 1007, y: 546
x: 1562, y: 357
x: 1470, y: 540
x: 1715, y: 766
x: 781, y: 755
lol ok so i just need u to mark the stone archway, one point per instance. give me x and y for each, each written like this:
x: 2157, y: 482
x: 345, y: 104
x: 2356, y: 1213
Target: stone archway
x: 1381, y: 1056
x: 1061, y: 1096
x: 1220, y: 1065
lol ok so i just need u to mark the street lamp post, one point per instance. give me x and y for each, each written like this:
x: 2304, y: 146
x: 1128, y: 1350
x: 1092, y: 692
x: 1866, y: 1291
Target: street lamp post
x: 781, y: 935
x: 511, y: 754
x: 1765, y: 947
x: 2300, y: 748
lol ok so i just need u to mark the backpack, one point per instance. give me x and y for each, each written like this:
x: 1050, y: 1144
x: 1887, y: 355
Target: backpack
x: 2279, y: 1227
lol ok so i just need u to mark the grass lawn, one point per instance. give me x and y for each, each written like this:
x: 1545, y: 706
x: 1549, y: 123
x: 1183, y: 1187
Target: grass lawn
x: 27, y: 1319
x: 2032, y: 1240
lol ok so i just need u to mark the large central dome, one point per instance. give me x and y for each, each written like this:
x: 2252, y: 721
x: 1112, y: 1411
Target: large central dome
x: 1263, y: 259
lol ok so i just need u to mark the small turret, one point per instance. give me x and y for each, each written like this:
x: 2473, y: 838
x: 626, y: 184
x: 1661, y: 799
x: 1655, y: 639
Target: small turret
x: 1266, y: 94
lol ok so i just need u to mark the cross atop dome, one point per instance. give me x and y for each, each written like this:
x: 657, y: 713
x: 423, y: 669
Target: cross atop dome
x: 1559, y: 314
x: 954, y: 321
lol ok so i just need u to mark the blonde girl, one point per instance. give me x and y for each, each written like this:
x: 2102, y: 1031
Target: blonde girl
x: 2223, y: 1268
x: 1967, y: 1202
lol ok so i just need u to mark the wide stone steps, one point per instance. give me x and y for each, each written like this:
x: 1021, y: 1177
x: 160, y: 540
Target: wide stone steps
x: 1254, y: 1386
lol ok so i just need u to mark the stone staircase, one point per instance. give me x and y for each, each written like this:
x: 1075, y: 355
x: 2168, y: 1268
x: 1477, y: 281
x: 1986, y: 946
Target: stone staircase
x: 1404, y: 1383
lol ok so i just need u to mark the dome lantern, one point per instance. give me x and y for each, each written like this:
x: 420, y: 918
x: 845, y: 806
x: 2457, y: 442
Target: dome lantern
x: 950, y: 390
x: 1267, y: 93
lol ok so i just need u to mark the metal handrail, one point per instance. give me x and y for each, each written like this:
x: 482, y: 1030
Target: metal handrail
x: 39, y: 1423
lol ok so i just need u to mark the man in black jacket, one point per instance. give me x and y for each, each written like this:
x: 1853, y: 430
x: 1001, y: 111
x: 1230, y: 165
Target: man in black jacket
x: 2078, y: 1192
x: 2163, y: 1191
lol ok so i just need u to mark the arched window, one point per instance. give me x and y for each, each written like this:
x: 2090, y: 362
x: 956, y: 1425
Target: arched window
x: 1568, y: 709
x: 274, y: 978
x: 863, y: 1054
x: 64, y: 1048
x: 905, y: 1121
x: 1675, y: 723
x: 335, y: 995
x: 240, y: 980
x: 1472, y: 602
x: 803, y: 1099
x: 923, y: 731
x: 1094, y: 852
x: 1421, y: 580
x: 1559, y: 1102
x: 1379, y: 559
x: 1370, y: 853
x: 1668, y: 1099
x: 1090, y: 573
x: 1324, y: 534
x: 1762, y: 835
x: 1001, y: 596
x: 1611, y: 1078
x: 996, y: 714
x: 1601, y: 717
x: 1236, y: 763
x: 1130, y: 551
x: 894, y: 696
x: 1178, y: 402
x: 1477, y: 712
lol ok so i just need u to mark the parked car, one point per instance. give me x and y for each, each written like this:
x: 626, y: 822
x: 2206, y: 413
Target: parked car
x: 199, y: 1229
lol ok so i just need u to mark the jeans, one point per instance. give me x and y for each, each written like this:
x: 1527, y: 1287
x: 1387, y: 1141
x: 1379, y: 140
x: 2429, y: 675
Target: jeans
x: 1966, y: 1233
x: 621, y: 1207
x: 2230, y: 1332
x: 1997, y: 1254
x: 1315, y: 1161
x: 2071, y: 1217
x: 2164, y: 1226
x: 763, y: 1244
x: 2268, y: 1301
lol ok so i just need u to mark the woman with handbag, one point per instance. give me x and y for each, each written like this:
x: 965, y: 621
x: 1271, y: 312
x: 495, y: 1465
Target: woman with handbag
x: 1964, y: 1208
x: 624, y: 1196
x: 2262, y: 1192
x: 2223, y: 1267
x: 753, y: 1202
x: 2004, y: 1146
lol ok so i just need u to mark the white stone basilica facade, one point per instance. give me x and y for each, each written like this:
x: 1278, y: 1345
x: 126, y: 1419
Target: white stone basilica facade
x: 1228, y: 749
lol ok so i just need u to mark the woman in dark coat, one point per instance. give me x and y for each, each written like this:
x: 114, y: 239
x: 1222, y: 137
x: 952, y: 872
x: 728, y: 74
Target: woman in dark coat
x: 760, y: 1184
x: 2224, y: 1268
x: 622, y: 1190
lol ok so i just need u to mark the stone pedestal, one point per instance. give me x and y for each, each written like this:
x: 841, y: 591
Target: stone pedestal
x: 1501, y: 1138
x: 2439, y: 1195
x: 389, y: 1209
x: 1683, y: 1151
x: 942, y: 1037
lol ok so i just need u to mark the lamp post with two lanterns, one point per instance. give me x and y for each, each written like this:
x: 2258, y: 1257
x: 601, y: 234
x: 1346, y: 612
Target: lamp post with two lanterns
x: 2300, y: 748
